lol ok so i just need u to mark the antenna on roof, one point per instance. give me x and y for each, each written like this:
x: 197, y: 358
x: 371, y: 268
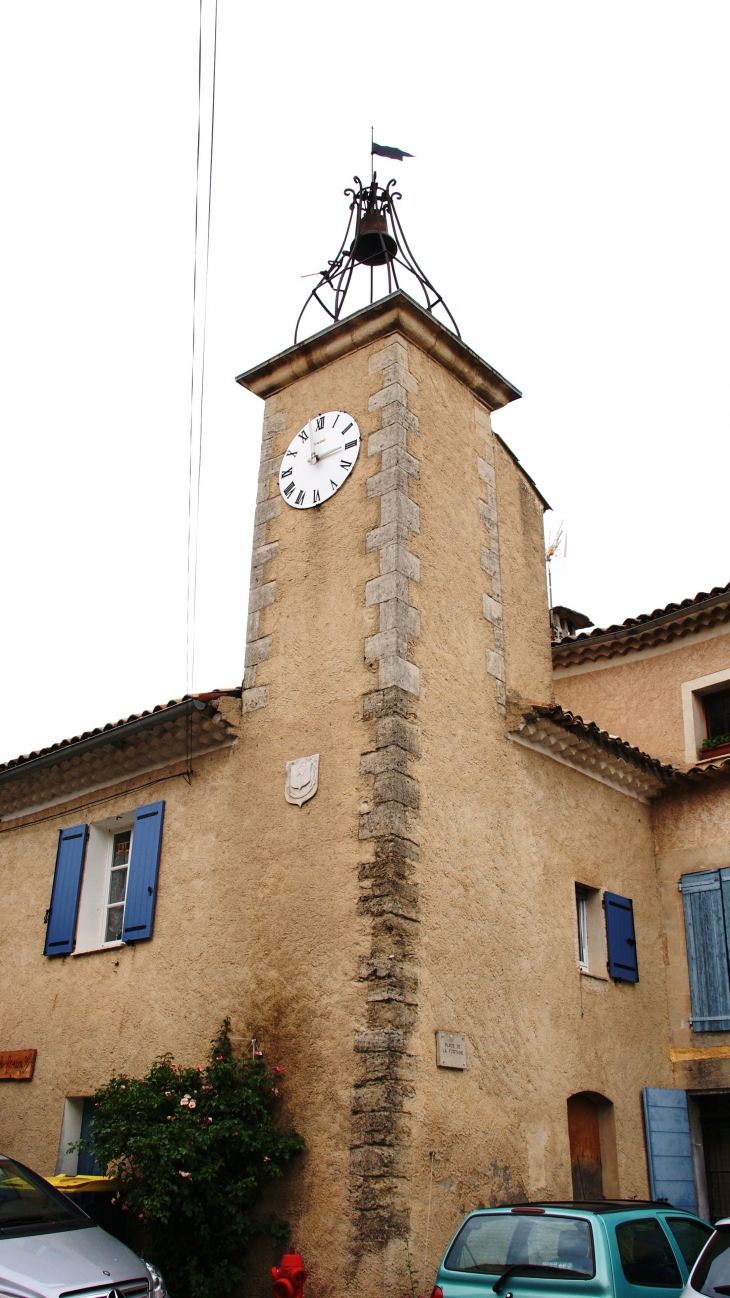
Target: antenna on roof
x: 557, y: 546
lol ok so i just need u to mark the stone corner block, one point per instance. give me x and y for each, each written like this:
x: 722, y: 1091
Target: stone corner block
x: 252, y: 700
x: 394, y: 670
x: 261, y: 596
x: 258, y: 650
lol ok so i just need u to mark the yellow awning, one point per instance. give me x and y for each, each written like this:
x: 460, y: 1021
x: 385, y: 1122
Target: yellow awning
x: 82, y: 1184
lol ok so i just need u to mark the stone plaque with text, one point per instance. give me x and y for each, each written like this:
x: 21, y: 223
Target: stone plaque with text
x: 451, y: 1050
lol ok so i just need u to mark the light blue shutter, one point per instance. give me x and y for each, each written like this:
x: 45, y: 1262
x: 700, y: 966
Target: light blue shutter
x: 669, y: 1147
x: 61, y: 931
x: 621, y: 937
x: 705, y: 924
x: 139, y: 910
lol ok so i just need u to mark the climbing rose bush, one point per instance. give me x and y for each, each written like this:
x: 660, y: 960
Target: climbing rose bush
x: 193, y: 1149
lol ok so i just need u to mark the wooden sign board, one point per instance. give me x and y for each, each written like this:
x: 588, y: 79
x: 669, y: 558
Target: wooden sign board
x: 17, y: 1065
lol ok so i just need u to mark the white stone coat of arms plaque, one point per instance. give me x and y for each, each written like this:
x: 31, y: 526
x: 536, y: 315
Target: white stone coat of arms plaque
x: 302, y: 778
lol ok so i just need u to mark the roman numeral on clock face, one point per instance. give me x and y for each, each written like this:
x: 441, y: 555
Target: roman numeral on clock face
x: 320, y: 424
x: 304, y: 435
x: 289, y: 489
x: 349, y: 445
x: 345, y: 464
x: 300, y: 498
x: 333, y: 484
x: 286, y: 473
x: 315, y: 493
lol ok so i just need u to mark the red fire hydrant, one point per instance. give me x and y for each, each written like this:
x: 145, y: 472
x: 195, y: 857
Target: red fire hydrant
x: 289, y: 1277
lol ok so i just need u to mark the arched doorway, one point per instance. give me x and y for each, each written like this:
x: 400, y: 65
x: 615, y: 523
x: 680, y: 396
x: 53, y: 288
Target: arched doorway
x: 593, y: 1162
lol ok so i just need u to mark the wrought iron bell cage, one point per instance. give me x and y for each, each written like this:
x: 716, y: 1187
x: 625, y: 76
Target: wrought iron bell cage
x: 374, y: 237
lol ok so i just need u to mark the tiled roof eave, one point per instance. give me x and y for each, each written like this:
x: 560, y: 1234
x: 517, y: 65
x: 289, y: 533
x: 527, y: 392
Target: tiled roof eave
x: 112, y: 734
x: 582, y: 745
x: 644, y: 633
x: 155, y: 741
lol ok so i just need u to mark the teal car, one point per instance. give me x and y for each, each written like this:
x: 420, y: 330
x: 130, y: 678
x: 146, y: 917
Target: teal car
x: 611, y: 1249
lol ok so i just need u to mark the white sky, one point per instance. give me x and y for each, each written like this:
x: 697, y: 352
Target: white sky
x: 569, y: 197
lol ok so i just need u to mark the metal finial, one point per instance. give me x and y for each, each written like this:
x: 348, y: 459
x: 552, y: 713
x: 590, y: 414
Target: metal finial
x: 374, y: 237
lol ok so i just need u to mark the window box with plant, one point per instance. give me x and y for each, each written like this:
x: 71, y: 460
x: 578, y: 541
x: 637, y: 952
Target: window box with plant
x: 716, y: 746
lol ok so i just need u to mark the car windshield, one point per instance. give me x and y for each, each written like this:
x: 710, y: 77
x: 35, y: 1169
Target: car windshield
x: 691, y: 1237
x: 712, y: 1273
x: 494, y: 1242
x: 646, y: 1254
x: 28, y: 1203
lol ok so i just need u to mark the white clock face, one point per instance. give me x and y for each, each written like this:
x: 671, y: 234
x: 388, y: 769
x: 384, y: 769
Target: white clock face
x: 319, y: 459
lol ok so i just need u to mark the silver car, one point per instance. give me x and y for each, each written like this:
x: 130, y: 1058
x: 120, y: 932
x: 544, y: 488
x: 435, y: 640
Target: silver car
x: 50, y: 1248
x: 710, y: 1274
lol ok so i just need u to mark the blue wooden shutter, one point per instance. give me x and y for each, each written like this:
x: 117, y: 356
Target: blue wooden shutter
x: 669, y: 1147
x: 61, y: 931
x: 621, y: 938
x: 139, y: 910
x: 705, y: 926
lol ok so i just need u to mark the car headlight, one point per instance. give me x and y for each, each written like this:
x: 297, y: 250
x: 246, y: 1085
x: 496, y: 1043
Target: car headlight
x: 158, y: 1289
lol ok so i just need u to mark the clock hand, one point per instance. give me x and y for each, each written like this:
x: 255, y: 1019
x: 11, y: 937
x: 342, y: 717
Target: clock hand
x: 334, y: 451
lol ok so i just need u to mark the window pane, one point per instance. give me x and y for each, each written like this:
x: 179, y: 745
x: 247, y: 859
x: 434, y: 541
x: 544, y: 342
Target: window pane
x: 492, y: 1243
x: 120, y: 855
x: 713, y: 1268
x: 580, y: 903
x: 691, y: 1236
x: 646, y: 1256
x: 717, y: 713
x: 114, y: 918
x: 118, y: 884
x: 26, y: 1204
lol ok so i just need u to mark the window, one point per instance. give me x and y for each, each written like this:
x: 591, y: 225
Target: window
x: 706, y: 902
x: 713, y: 1268
x: 646, y: 1254
x: 105, y: 882
x: 492, y: 1242
x: 705, y: 712
x: 78, y: 1116
x: 691, y: 1237
x: 30, y: 1206
x: 590, y: 931
x: 717, y: 714
x: 121, y: 846
x: 580, y: 905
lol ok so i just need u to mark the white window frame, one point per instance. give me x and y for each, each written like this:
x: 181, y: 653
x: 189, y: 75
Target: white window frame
x: 593, y: 963
x: 94, y: 900
x: 581, y: 908
x: 693, y: 711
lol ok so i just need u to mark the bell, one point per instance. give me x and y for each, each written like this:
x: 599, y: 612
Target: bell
x: 373, y: 245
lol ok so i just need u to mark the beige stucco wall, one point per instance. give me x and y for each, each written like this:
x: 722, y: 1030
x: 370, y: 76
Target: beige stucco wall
x: 505, y: 834
x: 258, y: 900
x: 639, y: 697
x: 692, y: 833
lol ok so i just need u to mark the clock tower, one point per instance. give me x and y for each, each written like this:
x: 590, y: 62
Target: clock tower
x: 397, y: 601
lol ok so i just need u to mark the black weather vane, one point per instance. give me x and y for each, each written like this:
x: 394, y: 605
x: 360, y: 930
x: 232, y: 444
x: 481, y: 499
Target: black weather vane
x: 374, y: 237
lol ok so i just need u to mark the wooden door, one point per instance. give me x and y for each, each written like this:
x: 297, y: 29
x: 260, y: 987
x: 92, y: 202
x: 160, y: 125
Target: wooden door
x: 585, y: 1148
x: 715, y: 1117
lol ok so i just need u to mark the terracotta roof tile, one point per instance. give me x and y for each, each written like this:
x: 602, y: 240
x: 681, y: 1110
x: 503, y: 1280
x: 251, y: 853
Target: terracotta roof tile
x: 110, y: 726
x: 674, y: 621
